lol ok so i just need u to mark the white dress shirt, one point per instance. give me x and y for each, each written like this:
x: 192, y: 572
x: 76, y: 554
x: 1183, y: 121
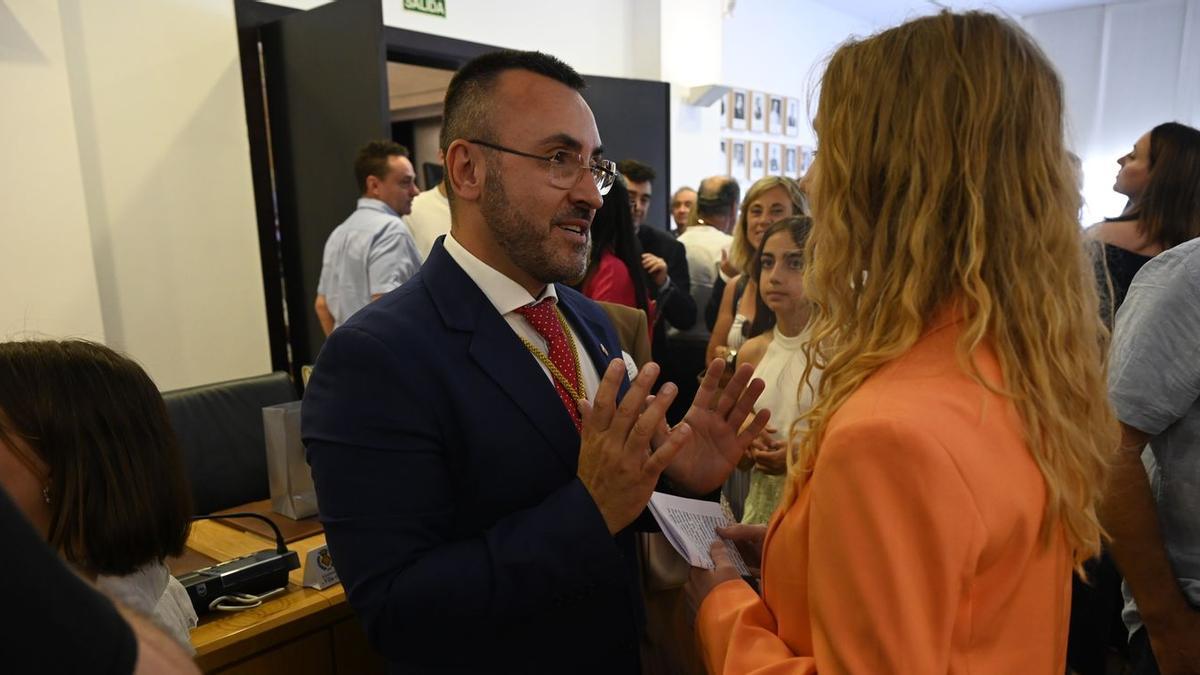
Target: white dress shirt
x: 429, y: 219
x: 506, y: 296
x: 704, y: 245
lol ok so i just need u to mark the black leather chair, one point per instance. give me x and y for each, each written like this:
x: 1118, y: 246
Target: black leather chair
x: 220, y: 430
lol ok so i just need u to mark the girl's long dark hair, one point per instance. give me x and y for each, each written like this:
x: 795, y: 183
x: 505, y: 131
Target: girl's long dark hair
x: 612, y: 229
x: 764, y: 318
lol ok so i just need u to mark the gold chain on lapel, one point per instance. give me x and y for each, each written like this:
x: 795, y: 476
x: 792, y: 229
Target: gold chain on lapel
x: 577, y: 393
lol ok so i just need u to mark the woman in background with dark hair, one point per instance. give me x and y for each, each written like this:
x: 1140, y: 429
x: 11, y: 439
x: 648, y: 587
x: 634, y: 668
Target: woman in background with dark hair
x: 615, y: 271
x: 88, y: 455
x: 1161, y: 177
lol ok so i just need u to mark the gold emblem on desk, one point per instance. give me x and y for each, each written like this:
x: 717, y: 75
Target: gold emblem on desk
x: 318, y: 569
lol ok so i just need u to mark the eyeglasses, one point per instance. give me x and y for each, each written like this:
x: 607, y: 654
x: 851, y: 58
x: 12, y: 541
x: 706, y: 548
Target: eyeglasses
x: 565, y: 167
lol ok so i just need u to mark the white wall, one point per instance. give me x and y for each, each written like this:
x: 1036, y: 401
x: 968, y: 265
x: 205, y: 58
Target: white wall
x: 765, y: 44
x: 595, y: 38
x: 1126, y: 67
x: 692, y: 42
x: 131, y: 143
x: 781, y: 48
x: 772, y: 47
x: 46, y: 270
x: 762, y: 45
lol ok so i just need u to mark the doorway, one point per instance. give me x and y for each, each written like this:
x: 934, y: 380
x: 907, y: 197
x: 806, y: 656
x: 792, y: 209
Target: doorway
x: 318, y: 84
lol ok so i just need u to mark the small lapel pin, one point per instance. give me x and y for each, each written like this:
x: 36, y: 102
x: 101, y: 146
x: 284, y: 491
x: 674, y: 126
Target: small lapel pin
x: 603, y: 349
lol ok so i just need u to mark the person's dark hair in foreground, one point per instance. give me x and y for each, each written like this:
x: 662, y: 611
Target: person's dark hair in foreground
x: 90, y: 431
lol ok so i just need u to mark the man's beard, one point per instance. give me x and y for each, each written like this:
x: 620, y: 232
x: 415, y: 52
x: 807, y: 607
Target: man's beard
x: 528, y: 244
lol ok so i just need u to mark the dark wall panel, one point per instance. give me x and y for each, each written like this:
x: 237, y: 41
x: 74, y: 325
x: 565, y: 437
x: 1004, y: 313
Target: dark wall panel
x: 633, y: 117
x: 327, y: 93
x: 324, y: 71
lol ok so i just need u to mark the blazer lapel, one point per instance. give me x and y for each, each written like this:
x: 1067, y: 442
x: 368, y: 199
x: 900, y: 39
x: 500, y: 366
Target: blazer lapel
x: 499, y: 354
x: 599, y: 340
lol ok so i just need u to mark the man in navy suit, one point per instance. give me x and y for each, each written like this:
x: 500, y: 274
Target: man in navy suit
x: 479, y: 518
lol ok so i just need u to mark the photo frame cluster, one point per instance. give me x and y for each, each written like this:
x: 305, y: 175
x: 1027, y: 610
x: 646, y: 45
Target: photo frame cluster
x: 776, y: 118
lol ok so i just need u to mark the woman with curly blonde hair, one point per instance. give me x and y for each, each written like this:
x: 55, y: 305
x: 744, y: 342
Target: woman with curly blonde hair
x: 947, y: 483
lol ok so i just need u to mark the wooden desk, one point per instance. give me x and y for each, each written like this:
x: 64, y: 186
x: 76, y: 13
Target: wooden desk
x: 301, y: 632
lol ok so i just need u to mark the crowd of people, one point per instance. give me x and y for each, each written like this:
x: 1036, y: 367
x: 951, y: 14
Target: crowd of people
x: 957, y: 432
x: 929, y: 322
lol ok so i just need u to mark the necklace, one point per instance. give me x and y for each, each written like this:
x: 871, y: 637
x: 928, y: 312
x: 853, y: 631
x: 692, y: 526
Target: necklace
x: 577, y: 393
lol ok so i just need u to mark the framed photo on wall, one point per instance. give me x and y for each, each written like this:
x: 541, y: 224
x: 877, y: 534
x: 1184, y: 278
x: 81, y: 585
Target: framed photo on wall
x: 807, y: 154
x: 775, y: 115
x: 758, y: 159
x: 758, y: 111
x: 791, y: 164
x: 738, y: 109
x: 775, y: 159
x: 793, y: 117
x: 737, y: 160
x: 724, y: 152
x: 725, y: 111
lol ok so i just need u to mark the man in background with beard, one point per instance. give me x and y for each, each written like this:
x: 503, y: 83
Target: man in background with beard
x: 480, y: 519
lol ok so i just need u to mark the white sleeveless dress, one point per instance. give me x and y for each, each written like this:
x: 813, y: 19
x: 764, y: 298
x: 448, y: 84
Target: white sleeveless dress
x: 782, y: 368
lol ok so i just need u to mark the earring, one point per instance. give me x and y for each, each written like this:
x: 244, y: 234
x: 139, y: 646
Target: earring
x: 46, y: 493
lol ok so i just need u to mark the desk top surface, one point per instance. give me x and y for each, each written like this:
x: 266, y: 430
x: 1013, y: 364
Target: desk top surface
x: 218, y: 630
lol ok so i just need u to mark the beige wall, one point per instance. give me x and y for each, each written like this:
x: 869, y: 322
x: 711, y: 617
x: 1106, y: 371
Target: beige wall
x: 47, y: 277
x: 133, y: 145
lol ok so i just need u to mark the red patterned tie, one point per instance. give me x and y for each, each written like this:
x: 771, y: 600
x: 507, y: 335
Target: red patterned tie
x: 544, y: 319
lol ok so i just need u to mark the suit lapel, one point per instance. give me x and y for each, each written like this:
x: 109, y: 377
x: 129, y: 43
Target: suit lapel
x: 499, y: 353
x: 509, y: 364
x: 496, y: 350
x: 598, y: 339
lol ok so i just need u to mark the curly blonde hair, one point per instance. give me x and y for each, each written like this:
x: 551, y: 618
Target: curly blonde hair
x: 943, y: 180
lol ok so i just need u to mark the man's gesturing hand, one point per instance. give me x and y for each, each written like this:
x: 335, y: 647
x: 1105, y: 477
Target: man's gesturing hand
x: 717, y: 413
x: 615, y: 462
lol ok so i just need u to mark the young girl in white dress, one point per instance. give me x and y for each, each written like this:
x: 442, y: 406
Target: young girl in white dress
x: 778, y: 359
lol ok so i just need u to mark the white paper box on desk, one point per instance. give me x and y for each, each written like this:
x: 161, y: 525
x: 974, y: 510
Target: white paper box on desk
x: 292, y: 492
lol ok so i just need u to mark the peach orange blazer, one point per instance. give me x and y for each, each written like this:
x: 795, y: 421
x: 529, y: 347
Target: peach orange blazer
x: 914, y: 548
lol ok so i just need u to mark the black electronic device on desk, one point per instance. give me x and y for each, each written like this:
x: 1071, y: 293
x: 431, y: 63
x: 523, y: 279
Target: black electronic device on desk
x: 243, y: 582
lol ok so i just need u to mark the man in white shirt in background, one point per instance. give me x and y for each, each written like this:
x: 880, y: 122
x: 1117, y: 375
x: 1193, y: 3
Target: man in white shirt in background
x: 371, y: 252
x: 430, y: 217
x: 706, y: 241
x: 682, y: 203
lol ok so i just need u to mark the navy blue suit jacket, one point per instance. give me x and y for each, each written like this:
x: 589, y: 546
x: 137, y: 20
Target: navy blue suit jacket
x: 445, y: 465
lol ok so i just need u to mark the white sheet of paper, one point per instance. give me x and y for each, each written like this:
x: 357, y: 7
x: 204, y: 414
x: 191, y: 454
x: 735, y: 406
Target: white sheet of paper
x: 690, y: 525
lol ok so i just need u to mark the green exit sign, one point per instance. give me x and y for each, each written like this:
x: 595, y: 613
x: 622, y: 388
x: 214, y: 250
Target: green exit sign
x: 434, y: 7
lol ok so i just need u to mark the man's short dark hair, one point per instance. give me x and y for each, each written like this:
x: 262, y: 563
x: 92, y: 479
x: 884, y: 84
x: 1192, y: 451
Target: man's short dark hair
x: 372, y: 160
x: 635, y: 171
x: 718, y: 200
x: 465, y: 112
